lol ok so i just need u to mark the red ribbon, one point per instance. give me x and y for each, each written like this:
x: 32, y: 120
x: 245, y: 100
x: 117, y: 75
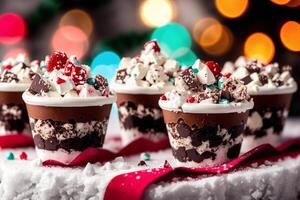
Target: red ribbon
x: 16, y: 140
x: 132, y: 185
x: 93, y: 155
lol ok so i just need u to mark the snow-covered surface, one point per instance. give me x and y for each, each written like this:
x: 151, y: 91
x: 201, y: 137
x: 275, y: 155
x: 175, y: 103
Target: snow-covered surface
x: 21, y: 179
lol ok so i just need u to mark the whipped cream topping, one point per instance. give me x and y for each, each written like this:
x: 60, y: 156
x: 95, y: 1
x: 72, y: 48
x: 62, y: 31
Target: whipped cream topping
x: 17, y: 73
x: 150, y: 72
x: 63, y: 80
x: 260, y: 78
x: 203, y: 89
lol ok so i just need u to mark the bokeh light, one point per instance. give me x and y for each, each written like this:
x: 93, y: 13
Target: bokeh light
x: 15, y: 52
x: 172, y: 37
x: 79, y: 19
x: 71, y: 40
x: 184, y: 56
x: 156, y: 13
x: 106, y: 64
x: 259, y: 46
x: 293, y: 3
x: 232, y: 8
x: 281, y: 2
x: 213, y: 37
x: 12, y: 28
x: 290, y: 35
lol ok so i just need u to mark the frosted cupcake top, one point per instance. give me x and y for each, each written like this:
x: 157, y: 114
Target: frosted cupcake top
x: 148, y: 73
x: 260, y: 78
x: 17, y: 73
x: 63, y: 80
x: 203, y: 89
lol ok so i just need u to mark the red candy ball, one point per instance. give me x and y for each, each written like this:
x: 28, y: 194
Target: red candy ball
x: 164, y: 98
x: 8, y: 67
x: 227, y: 75
x: 57, y: 60
x: 214, y: 67
x: 191, y: 100
x: 154, y: 45
x: 23, y: 156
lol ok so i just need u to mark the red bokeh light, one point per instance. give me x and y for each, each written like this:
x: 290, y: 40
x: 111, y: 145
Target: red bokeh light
x: 12, y: 28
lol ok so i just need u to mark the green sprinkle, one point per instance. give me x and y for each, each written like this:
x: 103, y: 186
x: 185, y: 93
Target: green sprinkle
x: 195, y: 70
x: 10, y: 156
x: 171, y: 79
x: 223, y: 101
x: 211, y: 87
x: 145, y: 156
x: 43, y: 67
x: 220, y: 84
x: 90, y: 81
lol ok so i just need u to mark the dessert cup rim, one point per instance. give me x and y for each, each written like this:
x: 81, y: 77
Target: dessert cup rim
x: 67, y: 102
x: 14, y: 87
x: 206, y: 108
x: 273, y: 91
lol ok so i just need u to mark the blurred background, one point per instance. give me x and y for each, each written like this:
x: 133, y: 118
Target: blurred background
x: 100, y: 32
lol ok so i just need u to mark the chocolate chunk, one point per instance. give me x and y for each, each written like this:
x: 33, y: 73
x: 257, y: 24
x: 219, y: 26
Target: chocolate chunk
x: 190, y: 79
x: 260, y: 133
x: 39, y: 142
x: 234, y: 151
x: 51, y: 144
x: 252, y: 67
x: 278, y: 83
x: 121, y: 75
x: 38, y: 85
x: 200, y: 135
x: 180, y: 154
x: 225, y: 94
x: 142, y: 163
x: 215, y: 141
x: 8, y: 77
x: 246, y: 80
x: 236, y: 131
x: 101, y: 83
x: 183, y: 129
x: 31, y: 74
x: 263, y: 79
x: 196, y: 157
x: 24, y: 66
x: 167, y: 164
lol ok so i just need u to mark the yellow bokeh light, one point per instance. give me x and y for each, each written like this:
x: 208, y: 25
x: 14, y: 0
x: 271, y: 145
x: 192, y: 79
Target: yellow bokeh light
x: 259, y: 46
x: 231, y: 8
x: 213, y: 37
x: 281, y: 2
x: 79, y: 19
x: 155, y: 13
x: 290, y: 35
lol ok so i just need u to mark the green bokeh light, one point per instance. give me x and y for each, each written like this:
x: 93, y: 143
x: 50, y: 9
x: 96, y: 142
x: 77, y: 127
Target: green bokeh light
x: 172, y: 37
x: 185, y: 56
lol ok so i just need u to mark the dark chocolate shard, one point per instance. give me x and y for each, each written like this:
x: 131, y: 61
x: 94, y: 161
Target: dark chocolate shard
x: 190, y: 79
x: 101, y: 83
x: 246, y: 80
x: 142, y: 163
x: 121, y: 75
x: 8, y: 77
x: 263, y: 79
x: 252, y: 67
x: 183, y: 130
x: 180, y: 154
x: 38, y: 85
x: 234, y: 151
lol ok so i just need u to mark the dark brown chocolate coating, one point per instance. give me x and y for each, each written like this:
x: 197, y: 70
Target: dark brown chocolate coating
x: 146, y: 100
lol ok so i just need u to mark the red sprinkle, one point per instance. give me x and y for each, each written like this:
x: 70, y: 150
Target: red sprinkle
x: 227, y: 75
x: 214, y: 67
x: 8, y: 67
x: 191, y: 100
x: 69, y: 66
x: 60, y: 80
x: 155, y: 46
x: 164, y: 98
x: 57, y: 60
x: 23, y: 156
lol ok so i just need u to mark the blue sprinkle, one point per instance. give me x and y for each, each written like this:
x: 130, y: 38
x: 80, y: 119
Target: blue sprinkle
x: 10, y: 156
x: 223, y: 101
x: 145, y: 156
x: 211, y: 87
x: 220, y: 84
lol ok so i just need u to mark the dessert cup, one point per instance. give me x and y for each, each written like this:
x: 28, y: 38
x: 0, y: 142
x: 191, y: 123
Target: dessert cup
x: 140, y: 116
x: 266, y: 120
x: 13, y: 115
x: 205, y: 139
x: 62, y: 130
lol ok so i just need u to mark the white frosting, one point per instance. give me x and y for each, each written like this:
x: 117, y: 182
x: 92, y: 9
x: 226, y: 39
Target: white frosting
x: 59, y: 155
x: 14, y: 87
x: 207, y: 107
x: 67, y: 101
x: 268, y: 90
x: 135, y: 89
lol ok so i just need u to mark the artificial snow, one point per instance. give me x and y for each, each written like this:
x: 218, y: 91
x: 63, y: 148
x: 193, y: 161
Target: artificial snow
x: 28, y: 179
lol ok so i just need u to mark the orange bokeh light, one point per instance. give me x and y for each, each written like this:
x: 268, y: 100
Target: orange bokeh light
x: 213, y: 37
x: 79, y: 19
x: 281, y: 2
x: 71, y: 40
x: 231, y: 8
x: 259, y: 46
x: 15, y: 52
x: 290, y: 35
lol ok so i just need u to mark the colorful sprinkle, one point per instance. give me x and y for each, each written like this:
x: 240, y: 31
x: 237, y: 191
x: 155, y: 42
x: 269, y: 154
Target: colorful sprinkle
x: 191, y: 100
x: 60, y: 80
x: 90, y: 81
x: 220, y: 84
x: 195, y: 70
x: 43, y: 67
x: 164, y: 98
x: 8, y: 67
x: 227, y: 75
x: 145, y: 156
x: 23, y: 156
x: 10, y: 156
x: 223, y: 101
x: 211, y: 87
